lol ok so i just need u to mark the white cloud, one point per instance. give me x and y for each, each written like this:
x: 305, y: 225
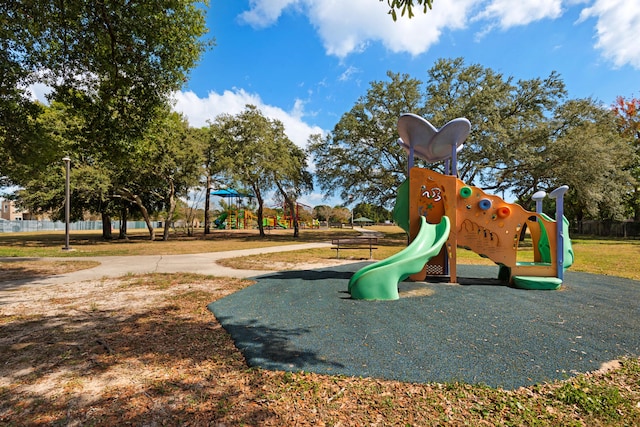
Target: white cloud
x: 347, y: 27
x: 511, y: 13
x: 346, y: 75
x: 264, y: 13
x: 199, y: 110
x: 617, y: 29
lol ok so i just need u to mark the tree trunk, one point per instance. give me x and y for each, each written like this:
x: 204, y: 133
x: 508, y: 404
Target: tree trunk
x: 294, y: 216
x: 207, y: 202
x: 124, y: 216
x: 172, y: 207
x: 260, y: 212
x: 134, y: 198
x: 106, y: 226
x: 292, y: 209
x: 296, y: 226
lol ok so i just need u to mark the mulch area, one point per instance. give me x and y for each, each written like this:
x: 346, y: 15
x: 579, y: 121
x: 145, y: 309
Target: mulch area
x: 476, y: 332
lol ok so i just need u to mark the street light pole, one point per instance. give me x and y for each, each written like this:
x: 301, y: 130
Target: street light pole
x: 351, y: 201
x: 67, y: 205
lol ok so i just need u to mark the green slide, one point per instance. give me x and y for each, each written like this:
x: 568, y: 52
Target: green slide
x: 219, y: 222
x: 379, y: 281
x: 401, y: 209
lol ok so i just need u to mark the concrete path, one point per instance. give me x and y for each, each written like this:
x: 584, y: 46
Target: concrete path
x: 204, y: 263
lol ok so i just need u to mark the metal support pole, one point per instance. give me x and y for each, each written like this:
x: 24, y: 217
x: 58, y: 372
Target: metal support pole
x: 453, y: 162
x: 538, y: 197
x: 67, y: 204
x: 558, y: 194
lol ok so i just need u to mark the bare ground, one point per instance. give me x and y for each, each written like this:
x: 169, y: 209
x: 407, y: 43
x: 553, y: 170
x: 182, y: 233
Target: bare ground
x: 145, y: 350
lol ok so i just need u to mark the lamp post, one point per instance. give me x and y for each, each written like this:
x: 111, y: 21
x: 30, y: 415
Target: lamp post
x: 67, y: 205
x: 351, y: 197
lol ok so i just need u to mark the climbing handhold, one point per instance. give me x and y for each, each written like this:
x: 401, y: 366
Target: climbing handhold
x: 504, y: 211
x: 465, y: 192
x: 484, y: 204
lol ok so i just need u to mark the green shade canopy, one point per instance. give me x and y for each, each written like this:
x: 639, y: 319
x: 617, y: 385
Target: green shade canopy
x: 363, y: 219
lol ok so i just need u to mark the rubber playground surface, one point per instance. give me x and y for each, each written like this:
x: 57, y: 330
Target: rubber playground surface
x: 479, y: 331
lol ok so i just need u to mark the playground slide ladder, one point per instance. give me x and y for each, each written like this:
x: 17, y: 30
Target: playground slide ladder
x: 379, y: 281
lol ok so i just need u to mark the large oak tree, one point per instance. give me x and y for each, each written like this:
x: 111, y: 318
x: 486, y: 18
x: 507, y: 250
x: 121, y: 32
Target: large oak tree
x: 113, y: 63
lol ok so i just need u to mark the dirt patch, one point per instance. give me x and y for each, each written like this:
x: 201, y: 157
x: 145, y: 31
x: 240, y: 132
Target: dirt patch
x: 32, y: 269
x: 144, y: 350
x: 312, y: 265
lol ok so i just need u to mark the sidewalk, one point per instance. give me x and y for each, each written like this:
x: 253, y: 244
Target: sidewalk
x: 203, y: 263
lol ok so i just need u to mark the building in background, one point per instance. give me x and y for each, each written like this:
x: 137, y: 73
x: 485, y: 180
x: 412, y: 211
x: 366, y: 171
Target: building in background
x: 10, y: 212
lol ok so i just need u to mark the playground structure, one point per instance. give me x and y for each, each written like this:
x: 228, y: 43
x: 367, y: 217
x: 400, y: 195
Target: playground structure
x: 286, y: 219
x: 276, y: 222
x: 441, y: 213
x: 234, y: 217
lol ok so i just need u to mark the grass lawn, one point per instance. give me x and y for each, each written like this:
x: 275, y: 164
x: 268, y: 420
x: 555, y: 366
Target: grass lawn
x: 138, y: 243
x: 144, y: 350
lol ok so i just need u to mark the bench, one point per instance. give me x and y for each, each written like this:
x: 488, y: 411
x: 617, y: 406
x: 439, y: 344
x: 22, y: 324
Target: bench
x: 355, y: 243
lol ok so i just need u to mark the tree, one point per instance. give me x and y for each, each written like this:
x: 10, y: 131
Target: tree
x: 360, y: 159
x: 340, y: 214
x: 290, y: 174
x: 59, y: 132
x: 322, y: 212
x: 17, y: 112
x: 177, y: 159
x: 247, y: 145
x: 166, y: 164
x: 505, y: 116
x: 406, y: 6
x: 588, y: 153
x: 260, y: 157
x: 628, y: 120
x: 215, y: 160
x: 114, y: 64
x: 374, y: 213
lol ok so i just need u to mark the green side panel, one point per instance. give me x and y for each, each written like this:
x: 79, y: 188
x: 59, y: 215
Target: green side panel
x: 545, y: 249
x: 568, y: 247
x: 400, y: 213
x: 543, y: 245
x: 537, y: 283
x: 379, y: 281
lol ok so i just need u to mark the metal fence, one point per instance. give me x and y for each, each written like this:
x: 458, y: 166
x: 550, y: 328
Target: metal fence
x: 607, y: 228
x: 19, y: 226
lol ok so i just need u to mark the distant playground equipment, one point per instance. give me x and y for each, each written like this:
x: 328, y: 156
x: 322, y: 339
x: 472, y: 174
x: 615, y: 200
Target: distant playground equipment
x: 286, y: 219
x: 276, y: 222
x: 441, y: 213
x: 234, y: 217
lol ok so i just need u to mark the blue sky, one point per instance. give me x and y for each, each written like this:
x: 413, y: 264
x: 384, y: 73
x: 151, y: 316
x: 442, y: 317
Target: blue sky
x: 306, y: 62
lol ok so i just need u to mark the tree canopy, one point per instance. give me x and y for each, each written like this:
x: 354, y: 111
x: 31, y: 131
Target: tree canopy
x: 111, y: 68
x: 526, y: 136
x: 627, y: 113
x: 259, y: 156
